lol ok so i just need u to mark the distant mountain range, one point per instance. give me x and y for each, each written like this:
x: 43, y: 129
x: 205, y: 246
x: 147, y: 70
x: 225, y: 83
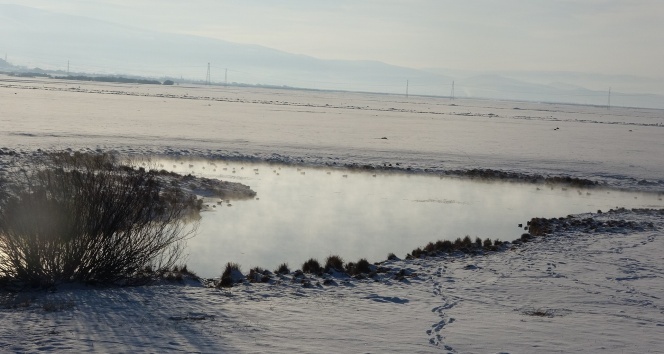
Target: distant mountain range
x: 37, y: 38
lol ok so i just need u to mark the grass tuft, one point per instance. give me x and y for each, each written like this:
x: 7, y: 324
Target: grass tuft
x: 231, y: 275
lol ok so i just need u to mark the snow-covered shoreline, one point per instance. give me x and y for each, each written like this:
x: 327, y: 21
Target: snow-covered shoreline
x: 570, y: 291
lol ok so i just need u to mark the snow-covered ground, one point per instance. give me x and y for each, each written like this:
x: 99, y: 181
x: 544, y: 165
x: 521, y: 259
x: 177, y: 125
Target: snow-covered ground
x: 580, y: 289
x: 573, y: 291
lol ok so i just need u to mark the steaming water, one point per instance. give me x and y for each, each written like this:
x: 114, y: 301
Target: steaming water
x: 315, y: 212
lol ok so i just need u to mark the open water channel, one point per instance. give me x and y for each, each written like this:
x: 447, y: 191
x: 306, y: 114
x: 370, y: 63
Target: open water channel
x: 304, y: 212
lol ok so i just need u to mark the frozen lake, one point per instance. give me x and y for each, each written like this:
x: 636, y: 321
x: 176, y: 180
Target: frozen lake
x: 305, y: 212
x: 620, y: 145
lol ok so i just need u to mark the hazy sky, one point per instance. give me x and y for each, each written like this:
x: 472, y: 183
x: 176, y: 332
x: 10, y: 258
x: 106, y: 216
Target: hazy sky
x: 601, y: 36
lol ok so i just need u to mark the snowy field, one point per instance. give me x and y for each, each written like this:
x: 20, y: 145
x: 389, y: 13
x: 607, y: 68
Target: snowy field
x: 593, y: 287
x: 621, y: 146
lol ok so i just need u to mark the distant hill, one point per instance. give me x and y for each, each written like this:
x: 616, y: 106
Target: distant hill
x: 37, y: 38
x: 50, y: 40
x: 4, y: 64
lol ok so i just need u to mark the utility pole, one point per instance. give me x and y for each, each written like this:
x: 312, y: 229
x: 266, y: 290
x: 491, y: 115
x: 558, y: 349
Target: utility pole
x: 207, y: 77
x: 608, y: 106
x: 452, y: 91
x: 406, y: 88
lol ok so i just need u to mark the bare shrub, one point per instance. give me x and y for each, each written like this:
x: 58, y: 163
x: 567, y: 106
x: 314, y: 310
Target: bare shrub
x: 312, y: 266
x: 350, y: 267
x: 361, y: 267
x: 85, y: 217
x: 467, y: 242
x: 478, y: 242
x: 445, y: 246
x: 282, y: 269
x: 334, y: 263
x: 259, y: 275
x: 418, y: 252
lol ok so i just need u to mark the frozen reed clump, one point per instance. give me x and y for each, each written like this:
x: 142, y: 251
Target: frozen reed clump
x: 231, y: 275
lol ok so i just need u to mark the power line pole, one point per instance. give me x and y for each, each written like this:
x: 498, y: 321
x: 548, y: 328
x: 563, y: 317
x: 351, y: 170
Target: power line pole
x: 608, y: 106
x: 207, y: 77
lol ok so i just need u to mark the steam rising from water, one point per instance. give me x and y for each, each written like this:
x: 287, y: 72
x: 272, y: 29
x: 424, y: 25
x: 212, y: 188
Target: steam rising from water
x: 304, y: 212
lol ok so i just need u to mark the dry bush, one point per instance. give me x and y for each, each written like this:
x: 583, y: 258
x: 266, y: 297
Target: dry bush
x: 282, y: 269
x: 361, y: 267
x: 85, y: 217
x: 467, y: 242
x: 418, y: 252
x: 430, y: 247
x: 259, y: 275
x: 312, y: 266
x: 334, y: 263
x: 231, y: 275
x: 445, y: 246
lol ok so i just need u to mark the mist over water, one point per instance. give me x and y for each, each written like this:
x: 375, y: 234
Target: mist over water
x: 304, y: 212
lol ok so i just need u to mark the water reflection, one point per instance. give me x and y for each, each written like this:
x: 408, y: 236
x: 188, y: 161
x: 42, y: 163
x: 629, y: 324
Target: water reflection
x: 315, y: 212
